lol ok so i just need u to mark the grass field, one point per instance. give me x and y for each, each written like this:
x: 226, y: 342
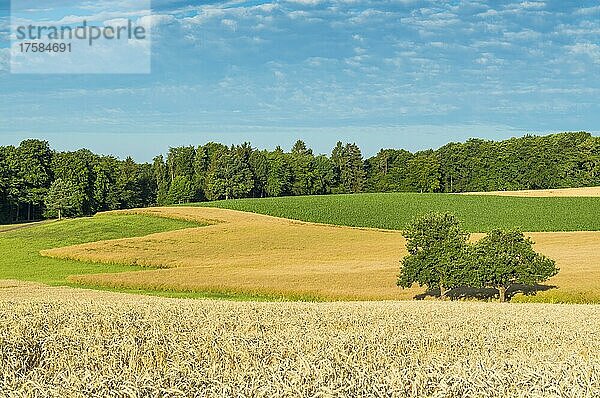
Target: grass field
x: 13, y: 227
x: 251, y: 254
x: 20, y: 247
x: 62, y: 342
x: 395, y: 210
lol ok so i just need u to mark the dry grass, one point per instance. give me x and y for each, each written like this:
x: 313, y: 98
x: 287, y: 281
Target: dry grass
x: 250, y: 253
x: 61, y: 342
x: 546, y: 193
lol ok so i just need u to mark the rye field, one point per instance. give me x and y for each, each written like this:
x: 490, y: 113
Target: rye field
x: 480, y: 213
x: 64, y: 342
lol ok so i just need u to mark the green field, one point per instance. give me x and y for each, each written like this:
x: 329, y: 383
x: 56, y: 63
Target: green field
x: 395, y: 210
x: 20, y: 248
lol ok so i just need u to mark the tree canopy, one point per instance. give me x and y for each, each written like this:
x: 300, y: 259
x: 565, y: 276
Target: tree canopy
x: 215, y: 171
x: 505, y: 258
x: 440, y: 256
x: 437, y: 253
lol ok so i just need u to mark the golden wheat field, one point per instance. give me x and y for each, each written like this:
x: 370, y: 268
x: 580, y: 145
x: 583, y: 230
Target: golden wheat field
x: 65, y: 342
x: 251, y: 253
x: 546, y: 193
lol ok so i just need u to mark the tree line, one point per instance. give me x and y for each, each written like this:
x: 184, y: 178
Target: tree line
x: 87, y: 183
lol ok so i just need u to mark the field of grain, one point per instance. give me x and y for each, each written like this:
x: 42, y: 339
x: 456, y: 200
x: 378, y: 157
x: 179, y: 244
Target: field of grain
x: 252, y: 254
x: 64, y: 342
x: 255, y: 254
x: 546, y: 193
x: 479, y: 213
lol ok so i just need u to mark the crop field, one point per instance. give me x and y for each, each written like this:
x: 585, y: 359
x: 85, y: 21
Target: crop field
x: 64, y: 342
x: 251, y: 254
x: 546, y: 193
x: 395, y: 210
x: 20, y: 246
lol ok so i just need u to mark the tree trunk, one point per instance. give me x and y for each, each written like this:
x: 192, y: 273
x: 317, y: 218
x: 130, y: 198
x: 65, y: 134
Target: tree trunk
x: 443, y: 292
x: 28, y: 211
x: 17, y: 217
x: 502, y: 291
x: 59, y: 214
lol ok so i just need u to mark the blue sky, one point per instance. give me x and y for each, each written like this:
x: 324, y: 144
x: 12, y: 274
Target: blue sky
x: 386, y: 73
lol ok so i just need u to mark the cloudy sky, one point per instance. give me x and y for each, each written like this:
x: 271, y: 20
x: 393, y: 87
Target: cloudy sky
x: 382, y: 73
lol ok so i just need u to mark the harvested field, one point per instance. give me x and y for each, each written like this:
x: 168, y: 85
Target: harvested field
x: 255, y: 254
x: 546, y: 193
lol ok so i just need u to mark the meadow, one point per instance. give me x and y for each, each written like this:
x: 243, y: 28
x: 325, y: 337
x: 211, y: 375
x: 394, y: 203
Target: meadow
x: 20, y: 244
x: 479, y: 213
x: 263, y: 256
x: 64, y: 342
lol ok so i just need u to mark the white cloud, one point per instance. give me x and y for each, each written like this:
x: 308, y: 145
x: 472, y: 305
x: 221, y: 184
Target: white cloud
x: 590, y: 50
x: 588, y: 11
x: 229, y: 23
x: 155, y: 20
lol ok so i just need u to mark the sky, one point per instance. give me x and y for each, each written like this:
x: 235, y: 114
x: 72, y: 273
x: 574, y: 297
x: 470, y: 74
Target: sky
x: 410, y: 74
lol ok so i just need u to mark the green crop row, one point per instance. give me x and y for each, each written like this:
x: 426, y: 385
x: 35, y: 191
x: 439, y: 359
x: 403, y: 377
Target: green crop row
x: 395, y: 210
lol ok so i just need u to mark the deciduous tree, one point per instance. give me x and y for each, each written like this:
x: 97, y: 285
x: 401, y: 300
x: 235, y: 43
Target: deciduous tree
x: 64, y: 198
x: 438, y: 254
x: 507, y: 258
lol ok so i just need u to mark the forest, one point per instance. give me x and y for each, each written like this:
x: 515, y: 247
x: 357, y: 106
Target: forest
x: 33, y: 175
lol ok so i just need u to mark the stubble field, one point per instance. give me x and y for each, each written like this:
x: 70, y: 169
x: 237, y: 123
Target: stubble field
x: 546, y: 193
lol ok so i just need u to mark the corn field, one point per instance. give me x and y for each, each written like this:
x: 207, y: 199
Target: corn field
x: 62, y: 342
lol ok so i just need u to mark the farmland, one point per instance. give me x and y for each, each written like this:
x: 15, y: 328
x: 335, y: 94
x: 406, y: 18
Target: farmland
x: 64, y: 342
x: 251, y: 254
x: 546, y: 193
x: 395, y: 210
x: 20, y: 247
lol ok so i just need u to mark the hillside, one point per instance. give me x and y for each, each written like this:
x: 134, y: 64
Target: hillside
x: 394, y: 210
x: 250, y: 254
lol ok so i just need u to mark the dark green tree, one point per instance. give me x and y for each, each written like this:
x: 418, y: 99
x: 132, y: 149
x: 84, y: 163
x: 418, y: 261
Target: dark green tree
x: 163, y: 183
x: 105, y: 191
x: 77, y: 168
x: 323, y: 175
x: 504, y: 258
x: 259, y: 165
x: 589, y: 162
x: 388, y: 171
x: 303, y: 169
x: 34, y: 175
x: 201, y: 163
x: 280, y: 177
x: 229, y: 175
x: 349, y: 170
x: 438, y: 254
x: 180, y: 162
x: 63, y: 199
x: 181, y: 190
x: 425, y: 172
